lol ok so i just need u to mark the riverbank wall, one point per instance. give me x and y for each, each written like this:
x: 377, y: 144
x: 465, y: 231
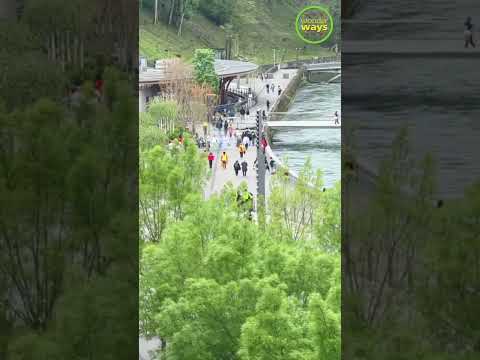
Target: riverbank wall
x: 282, y: 104
x: 285, y: 99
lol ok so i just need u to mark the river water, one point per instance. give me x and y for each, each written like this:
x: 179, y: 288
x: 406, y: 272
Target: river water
x: 313, y: 102
x: 434, y: 97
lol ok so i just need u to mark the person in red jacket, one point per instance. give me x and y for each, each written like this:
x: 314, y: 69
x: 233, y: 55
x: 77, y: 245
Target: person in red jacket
x: 211, y: 157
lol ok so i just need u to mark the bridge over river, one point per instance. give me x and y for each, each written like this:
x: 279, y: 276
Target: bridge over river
x: 300, y: 124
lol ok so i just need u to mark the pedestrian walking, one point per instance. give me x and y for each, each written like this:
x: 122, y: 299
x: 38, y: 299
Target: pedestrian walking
x: 263, y: 143
x: 225, y: 127
x: 336, y: 118
x: 268, y: 105
x: 246, y: 141
x: 468, y: 33
x: 236, y: 167
x: 244, y: 168
x: 205, y: 128
x: 279, y: 90
x: 224, y: 159
x: 211, y: 157
x: 242, y: 113
x: 272, y: 165
x: 239, y: 141
x: 268, y: 88
x: 242, y: 150
x: 264, y: 115
x: 273, y: 88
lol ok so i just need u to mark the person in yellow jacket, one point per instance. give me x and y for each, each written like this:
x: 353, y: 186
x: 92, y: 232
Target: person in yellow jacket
x: 205, y: 129
x: 242, y: 149
x: 224, y: 159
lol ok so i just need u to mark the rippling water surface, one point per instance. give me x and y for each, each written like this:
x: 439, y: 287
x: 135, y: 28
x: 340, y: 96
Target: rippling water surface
x: 436, y: 98
x: 313, y: 102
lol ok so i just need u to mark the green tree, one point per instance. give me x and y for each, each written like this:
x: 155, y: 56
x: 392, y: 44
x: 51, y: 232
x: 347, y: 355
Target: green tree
x: 204, y: 68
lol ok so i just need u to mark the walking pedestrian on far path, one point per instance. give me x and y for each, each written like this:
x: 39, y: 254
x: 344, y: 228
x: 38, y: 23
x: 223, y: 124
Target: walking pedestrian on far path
x: 268, y: 105
x: 242, y: 113
x: 336, y: 118
x: 236, y: 167
x: 246, y: 141
x: 268, y: 88
x: 211, y: 157
x: 225, y: 127
x: 224, y: 159
x: 242, y: 150
x: 273, y: 88
x: 205, y: 128
x: 468, y: 33
x: 244, y: 168
x: 279, y: 90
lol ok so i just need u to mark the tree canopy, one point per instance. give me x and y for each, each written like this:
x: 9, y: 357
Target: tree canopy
x: 215, y: 285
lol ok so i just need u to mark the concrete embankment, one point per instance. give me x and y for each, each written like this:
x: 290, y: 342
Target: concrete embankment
x: 283, y: 102
x: 281, y: 105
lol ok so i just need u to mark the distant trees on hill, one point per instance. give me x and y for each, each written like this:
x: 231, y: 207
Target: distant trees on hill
x: 172, y: 12
x: 219, y: 11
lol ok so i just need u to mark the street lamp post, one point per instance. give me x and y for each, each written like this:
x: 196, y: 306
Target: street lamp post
x: 261, y: 169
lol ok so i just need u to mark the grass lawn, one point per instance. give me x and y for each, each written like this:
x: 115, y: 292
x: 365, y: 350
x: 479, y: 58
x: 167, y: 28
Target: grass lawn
x: 257, y: 28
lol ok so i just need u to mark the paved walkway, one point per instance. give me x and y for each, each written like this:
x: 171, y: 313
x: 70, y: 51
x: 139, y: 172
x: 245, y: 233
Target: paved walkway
x: 259, y: 87
x: 219, y: 176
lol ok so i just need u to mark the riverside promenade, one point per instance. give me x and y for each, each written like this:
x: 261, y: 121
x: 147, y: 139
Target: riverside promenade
x: 220, y: 177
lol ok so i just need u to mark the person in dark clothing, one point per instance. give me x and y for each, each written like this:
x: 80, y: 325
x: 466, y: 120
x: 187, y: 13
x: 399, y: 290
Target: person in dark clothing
x: 264, y: 115
x: 236, y: 167
x: 468, y: 32
x: 268, y: 88
x: 268, y: 105
x: 272, y: 163
x: 279, y: 90
x: 225, y: 127
x: 244, y: 168
x: 242, y: 113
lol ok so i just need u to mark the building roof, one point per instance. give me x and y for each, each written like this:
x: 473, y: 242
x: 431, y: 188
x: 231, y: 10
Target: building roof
x: 223, y: 68
x: 229, y: 68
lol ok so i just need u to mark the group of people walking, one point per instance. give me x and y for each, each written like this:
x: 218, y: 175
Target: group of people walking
x: 271, y: 88
x: 243, y: 166
x: 237, y: 166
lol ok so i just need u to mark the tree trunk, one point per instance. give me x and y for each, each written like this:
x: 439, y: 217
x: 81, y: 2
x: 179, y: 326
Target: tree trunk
x: 61, y: 38
x: 52, y: 44
x: 75, y: 50
x: 170, y: 18
x: 181, y: 23
x: 81, y: 55
x: 156, y: 12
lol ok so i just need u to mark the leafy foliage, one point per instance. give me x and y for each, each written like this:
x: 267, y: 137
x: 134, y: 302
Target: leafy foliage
x: 215, y: 285
x: 204, y: 67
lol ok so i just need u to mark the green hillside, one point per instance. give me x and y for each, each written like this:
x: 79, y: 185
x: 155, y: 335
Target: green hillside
x: 257, y: 25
